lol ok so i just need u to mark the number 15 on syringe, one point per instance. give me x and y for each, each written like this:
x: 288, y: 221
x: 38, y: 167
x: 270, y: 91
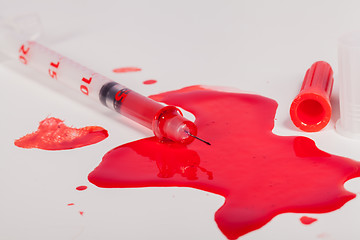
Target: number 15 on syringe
x: 44, y: 59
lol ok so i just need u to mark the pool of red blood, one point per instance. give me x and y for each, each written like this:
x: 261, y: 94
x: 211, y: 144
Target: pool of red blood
x: 259, y: 174
x: 53, y: 134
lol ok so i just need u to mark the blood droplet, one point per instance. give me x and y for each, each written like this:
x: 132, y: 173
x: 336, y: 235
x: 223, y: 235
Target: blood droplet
x: 53, y: 134
x: 307, y: 220
x: 81, y: 188
x: 126, y: 69
x: 260, y: 174
x: 148, y: 82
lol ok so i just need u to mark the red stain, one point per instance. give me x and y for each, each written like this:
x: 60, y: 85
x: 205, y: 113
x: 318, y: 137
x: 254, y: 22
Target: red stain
x: 71, y: 204
x: 148, y: 82
x: 81, y: 213
x: 81, y: 188
x: 323, y: 235
x: 260, y: 174
x: 53, y: 134
x: 307, y: 220
x: 126, y: 69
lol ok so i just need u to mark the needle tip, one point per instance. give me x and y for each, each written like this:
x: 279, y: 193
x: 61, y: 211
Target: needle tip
x: 202, y: 140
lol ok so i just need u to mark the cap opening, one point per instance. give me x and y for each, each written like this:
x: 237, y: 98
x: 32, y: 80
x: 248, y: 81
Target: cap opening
x: 310, y: 112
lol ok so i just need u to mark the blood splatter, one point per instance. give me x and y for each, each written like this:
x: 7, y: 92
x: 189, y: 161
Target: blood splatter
x: 71, y: 204
x: 126, y: 69
x: 307, y: 220
x: 148, y: 82
x: 259, y: 173
x: 81, y: 188
x: 53, y: 134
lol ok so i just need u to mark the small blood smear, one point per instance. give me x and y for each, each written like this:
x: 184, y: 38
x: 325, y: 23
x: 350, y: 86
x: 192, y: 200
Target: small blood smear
x: 260, y: 174
x: 53, y: 134
x: 81, y: 188
x: 307, y: 220
x: 126, y: 69
x: 148, y: 82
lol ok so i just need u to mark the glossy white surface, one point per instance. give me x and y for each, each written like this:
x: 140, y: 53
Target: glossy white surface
x: 263, y: 47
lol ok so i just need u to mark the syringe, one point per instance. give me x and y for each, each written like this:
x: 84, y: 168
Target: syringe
x: 167, y: 122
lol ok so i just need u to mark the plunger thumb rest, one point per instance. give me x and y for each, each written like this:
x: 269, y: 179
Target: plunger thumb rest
x: 310, y: 111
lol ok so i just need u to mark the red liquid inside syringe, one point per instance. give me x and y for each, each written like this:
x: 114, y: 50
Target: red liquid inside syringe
x: 167, y: 122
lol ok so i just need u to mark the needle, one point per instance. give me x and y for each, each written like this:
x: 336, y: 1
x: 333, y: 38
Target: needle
x: 197, y: 138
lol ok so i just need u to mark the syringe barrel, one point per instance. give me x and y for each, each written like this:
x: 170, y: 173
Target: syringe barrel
x: 166, y: 122
x: 62, y: 69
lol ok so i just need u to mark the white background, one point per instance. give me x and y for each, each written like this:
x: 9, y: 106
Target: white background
x: 258, y: 46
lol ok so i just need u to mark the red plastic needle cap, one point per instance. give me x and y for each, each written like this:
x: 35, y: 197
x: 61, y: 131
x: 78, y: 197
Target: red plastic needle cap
x: 311, y: 110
